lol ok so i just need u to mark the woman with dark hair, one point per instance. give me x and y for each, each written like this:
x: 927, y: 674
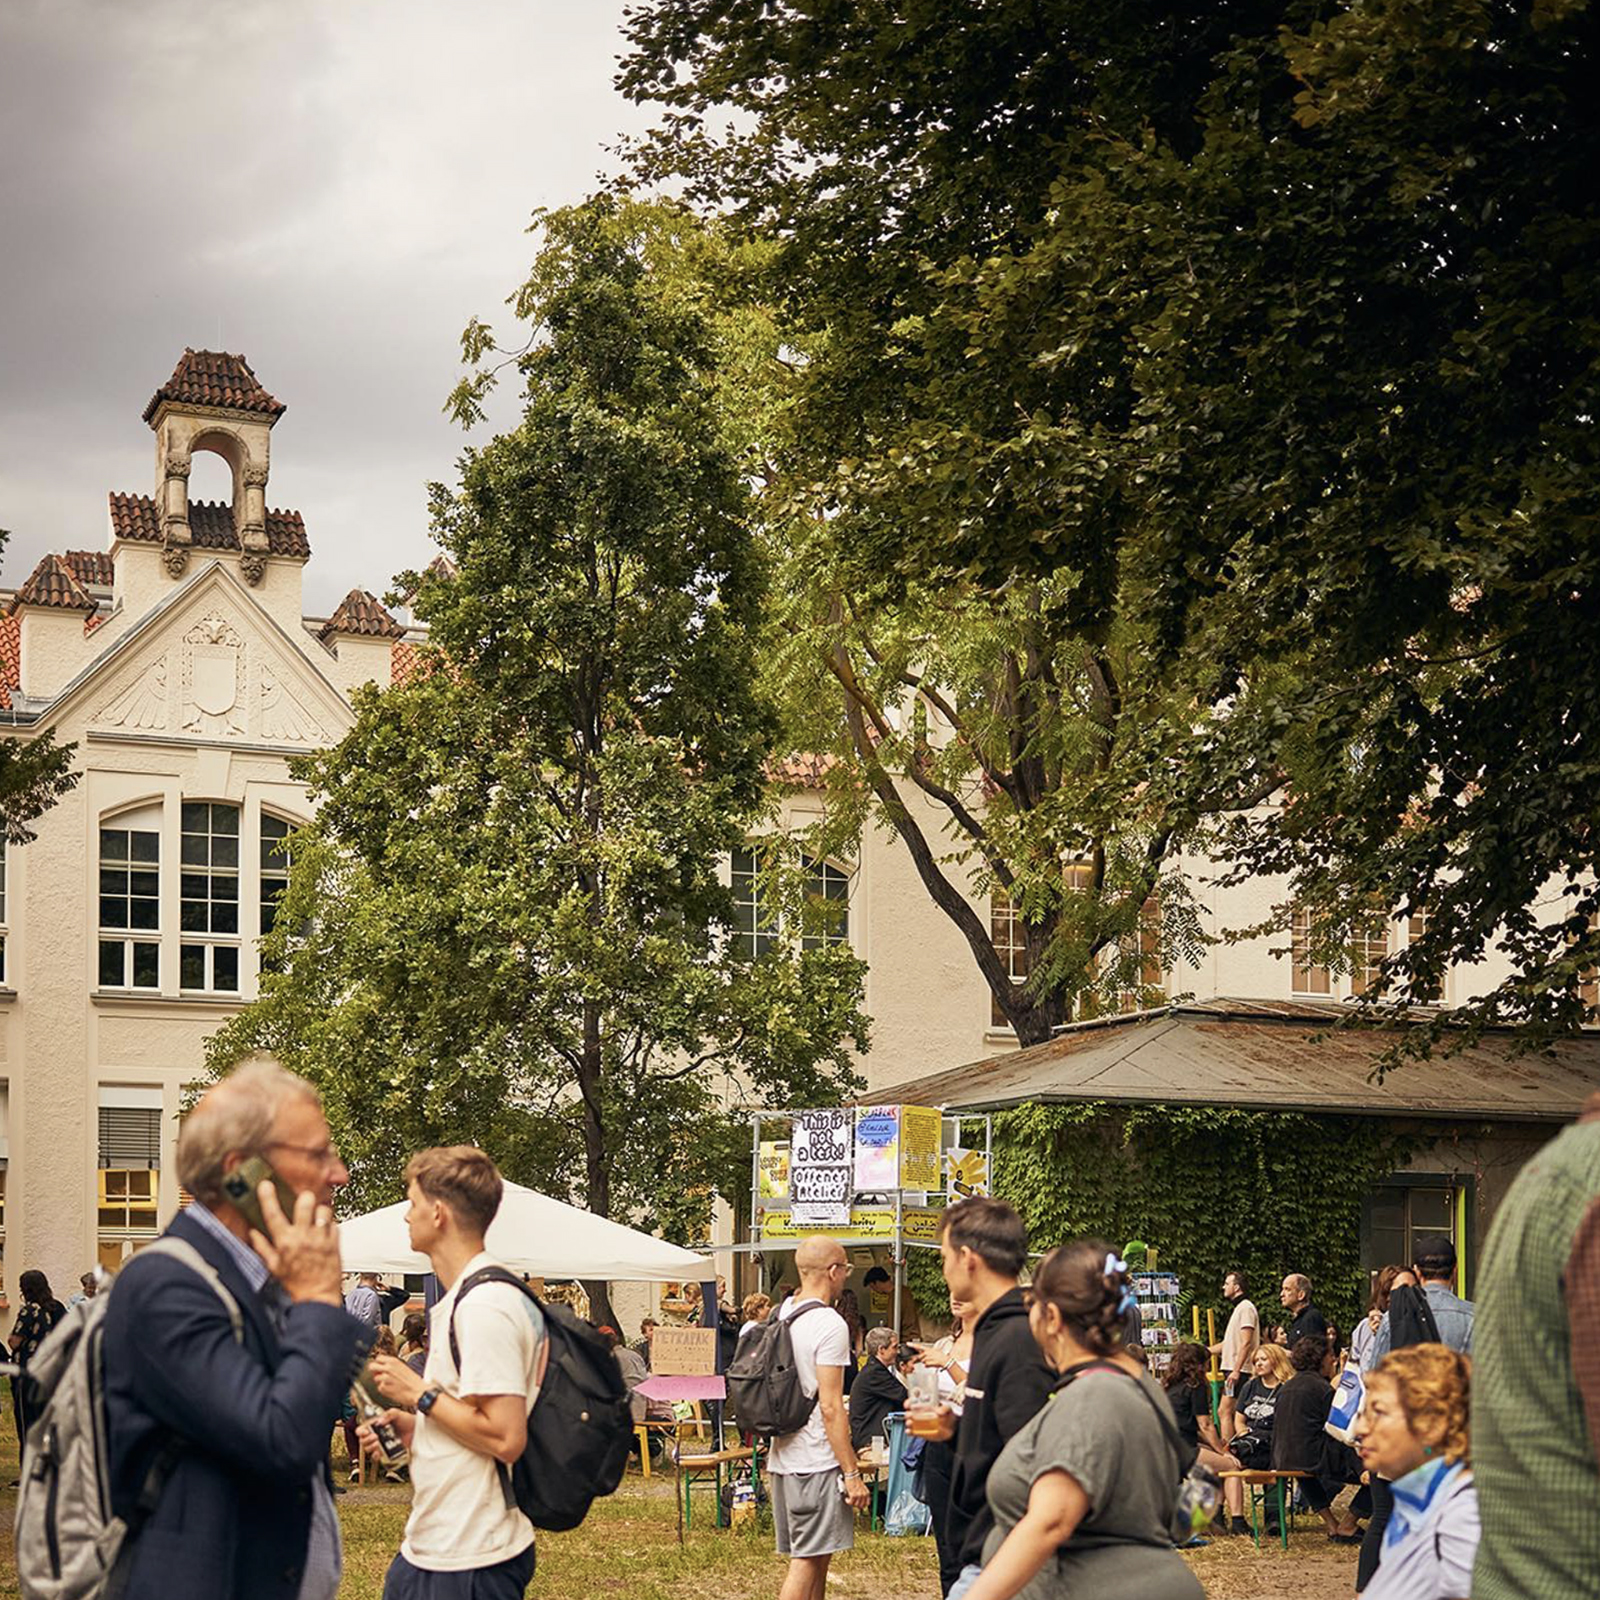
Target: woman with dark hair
x: 1083, y: 1495
x: 40, y: 1312
x: 1189, y: 1395
x: 414, y: 1341
x: 1299, y: 1442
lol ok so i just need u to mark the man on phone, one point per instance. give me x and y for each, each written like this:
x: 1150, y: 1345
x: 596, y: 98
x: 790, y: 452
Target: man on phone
x: 228, y: 1432
x: 462, y: 1540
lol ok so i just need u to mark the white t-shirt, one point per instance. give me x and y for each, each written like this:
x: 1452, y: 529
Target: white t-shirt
x: 459, y: 1518
x: 821, y: 1339
x: 1244, y: 1318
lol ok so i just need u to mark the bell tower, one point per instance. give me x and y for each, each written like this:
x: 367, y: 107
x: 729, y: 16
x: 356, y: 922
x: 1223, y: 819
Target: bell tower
x: 213, y: 401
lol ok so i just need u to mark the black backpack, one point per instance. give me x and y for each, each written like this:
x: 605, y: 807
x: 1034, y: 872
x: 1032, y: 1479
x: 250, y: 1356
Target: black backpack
x: 763, y: 1383
x: 1411, y: 1319
x: 581, y: 1426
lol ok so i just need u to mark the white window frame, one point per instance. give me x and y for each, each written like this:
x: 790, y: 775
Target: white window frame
x: 144, y: 819
x: 208, y: 939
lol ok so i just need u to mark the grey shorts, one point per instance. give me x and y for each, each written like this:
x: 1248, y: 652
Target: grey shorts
x: 810, y: 1514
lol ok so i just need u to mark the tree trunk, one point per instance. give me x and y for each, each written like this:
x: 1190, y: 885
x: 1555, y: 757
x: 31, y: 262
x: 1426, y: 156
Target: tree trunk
x: 597, y: 1176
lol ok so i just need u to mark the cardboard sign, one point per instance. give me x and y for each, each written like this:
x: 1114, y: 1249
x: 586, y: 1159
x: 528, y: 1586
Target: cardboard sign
x: 683, y: 1352
x: 969, y: 1172
x: 877, y: 1148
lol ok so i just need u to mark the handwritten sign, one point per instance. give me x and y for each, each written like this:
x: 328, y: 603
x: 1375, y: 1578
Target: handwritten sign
x: 821, y: 1168
x: 921, y: 1132
x: 683, y: 1352
x: 878, y: 1148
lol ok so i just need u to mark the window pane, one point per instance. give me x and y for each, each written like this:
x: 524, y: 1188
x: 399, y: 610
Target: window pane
x: 225, y: 965
x: 113, y: 844
x: 1430, y: 1210
x: 192, y: 916
x: 224, y: 886
x: 224, y: 851
x: 196, y: 817
x: 111, y: 964
x: 113, y: 913
x: 192, y: 966
x: 145, y: 846
x: 147, y: 966
x: 225, y: 819
x: 224, y: 917
x: 113, y: 880
x: 193, y: 885
x: 144, y: 913
x: 145, y: 883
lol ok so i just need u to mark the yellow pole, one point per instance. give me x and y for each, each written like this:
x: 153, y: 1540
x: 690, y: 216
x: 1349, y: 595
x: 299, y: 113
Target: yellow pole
x: 1211, y: 1339
x: 1196, y: 1311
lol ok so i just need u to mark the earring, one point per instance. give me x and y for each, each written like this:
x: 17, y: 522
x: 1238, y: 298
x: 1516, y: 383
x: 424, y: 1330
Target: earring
x: 1427, y: 1449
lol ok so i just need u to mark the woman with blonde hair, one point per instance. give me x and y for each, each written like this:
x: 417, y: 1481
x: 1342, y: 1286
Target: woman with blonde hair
x: 1413, y: 1430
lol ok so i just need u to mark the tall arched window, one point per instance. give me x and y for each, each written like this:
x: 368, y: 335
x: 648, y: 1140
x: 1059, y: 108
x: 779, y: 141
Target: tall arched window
x: 130, y: 900
x: 208, y: 910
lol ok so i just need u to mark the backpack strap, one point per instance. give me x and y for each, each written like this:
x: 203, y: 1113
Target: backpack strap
x: 1163, y: 1414
x: 472, y: 1280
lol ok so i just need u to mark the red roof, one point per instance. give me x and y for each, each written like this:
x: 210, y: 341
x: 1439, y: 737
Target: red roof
x: 53, y: 583
x: 362, y: 613
x: 92, y: 567
x: 135, y: 516
x: 214, y: 378
x: 10, y: 657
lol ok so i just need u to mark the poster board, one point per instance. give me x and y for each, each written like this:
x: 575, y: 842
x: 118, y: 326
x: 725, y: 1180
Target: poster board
x: 822, y: 1167
x: 966, y: 1172
x: 683, y: 1352
x: 877, y: 1149
x: 773, y: 1161
x: 921, y: 1135
x: 866, y: 1224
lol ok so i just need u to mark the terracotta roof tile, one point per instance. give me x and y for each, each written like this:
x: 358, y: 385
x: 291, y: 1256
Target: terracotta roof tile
x: 801, y: 771
x: 10, y: 657
x: 214, y: 378
x: 407, y: 663
x: 135, y: 516
x: 53, y: 583
x: 361, y: 613
x: 93, y: 568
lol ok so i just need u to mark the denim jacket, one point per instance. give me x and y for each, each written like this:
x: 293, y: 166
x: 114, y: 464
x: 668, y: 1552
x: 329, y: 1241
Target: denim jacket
x: 1450, y: 1311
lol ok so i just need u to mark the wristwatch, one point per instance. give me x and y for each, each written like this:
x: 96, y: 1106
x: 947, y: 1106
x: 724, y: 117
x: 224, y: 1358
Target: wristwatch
x: 427, y: 1397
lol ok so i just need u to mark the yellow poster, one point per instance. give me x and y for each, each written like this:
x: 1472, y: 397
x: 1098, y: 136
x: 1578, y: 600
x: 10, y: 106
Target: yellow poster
x: 969, y: 1172
x: 921, y: 1129
x: 867, y: 1224
x: 774, y: 1170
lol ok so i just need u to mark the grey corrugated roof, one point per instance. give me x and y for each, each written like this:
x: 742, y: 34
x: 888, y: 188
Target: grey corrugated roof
x: 1263, y: 1056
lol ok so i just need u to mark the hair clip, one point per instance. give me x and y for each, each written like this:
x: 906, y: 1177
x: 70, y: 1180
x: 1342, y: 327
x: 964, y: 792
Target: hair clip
x: 1126, y: 1303
x: 1114, y: 1263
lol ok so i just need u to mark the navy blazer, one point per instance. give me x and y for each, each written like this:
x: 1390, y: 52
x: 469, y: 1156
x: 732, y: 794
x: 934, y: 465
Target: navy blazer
x: 254, y: 1418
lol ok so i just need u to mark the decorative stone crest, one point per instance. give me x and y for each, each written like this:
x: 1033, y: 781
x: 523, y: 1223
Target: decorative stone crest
x: 283, y: 715
x: 213, y: 674
x: 143, y: 704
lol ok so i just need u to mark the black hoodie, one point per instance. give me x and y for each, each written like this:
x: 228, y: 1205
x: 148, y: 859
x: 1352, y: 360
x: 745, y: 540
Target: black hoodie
x: 1007, y: 1382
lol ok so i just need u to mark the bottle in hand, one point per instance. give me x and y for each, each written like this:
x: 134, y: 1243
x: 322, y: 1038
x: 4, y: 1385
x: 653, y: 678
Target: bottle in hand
x: 370, y: 1407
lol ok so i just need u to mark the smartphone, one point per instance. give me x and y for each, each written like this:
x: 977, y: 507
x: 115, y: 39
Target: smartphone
x: 241, y: 1184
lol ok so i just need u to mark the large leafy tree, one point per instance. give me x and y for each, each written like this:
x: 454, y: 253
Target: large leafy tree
x: 1263, y: 335
x: 506, y: 922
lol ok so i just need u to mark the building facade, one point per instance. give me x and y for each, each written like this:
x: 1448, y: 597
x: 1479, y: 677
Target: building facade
x: 180, y: 663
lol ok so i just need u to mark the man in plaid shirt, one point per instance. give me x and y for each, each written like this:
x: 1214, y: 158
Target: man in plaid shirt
x: 1536, y: 1378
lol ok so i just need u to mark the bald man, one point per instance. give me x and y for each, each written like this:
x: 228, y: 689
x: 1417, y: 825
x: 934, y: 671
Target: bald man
x: 816, y: 1485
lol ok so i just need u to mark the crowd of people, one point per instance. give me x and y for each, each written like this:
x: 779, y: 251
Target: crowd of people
x: 1054, y: 1462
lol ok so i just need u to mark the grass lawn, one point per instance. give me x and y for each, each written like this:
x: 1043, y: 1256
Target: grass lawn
x: 629, y: 1547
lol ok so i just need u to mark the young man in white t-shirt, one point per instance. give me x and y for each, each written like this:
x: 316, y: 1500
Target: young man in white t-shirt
x: 817, y: 1486
x: 1237, y: 1347
x: 462, y: 1540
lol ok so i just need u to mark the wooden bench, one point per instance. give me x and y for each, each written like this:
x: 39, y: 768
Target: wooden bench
x: 1260, y: 1484
x: 698, y: 1469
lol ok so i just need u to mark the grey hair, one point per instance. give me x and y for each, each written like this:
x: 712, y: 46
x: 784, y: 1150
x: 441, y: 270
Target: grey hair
x: 878, y: 1340
x: 237, y: 1114
x: 1301, y: 1282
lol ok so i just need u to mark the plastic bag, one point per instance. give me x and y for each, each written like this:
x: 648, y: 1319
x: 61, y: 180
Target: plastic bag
x: 907, y: 1515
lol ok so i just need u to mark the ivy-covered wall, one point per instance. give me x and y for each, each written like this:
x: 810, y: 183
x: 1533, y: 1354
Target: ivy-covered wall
x: 1213, y: 1188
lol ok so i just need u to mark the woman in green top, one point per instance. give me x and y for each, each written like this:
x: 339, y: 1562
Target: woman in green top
x: 1083, y: 1495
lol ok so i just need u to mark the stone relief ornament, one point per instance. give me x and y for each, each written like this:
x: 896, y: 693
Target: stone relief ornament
x: 175, y: 558
x: 213, y: 658
x: 282, y: 714
x: 143, y: 704
x: 254, y: 566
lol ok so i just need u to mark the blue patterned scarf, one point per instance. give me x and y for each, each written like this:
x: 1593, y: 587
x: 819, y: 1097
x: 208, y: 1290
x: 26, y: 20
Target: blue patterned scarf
x: 1415, y: 1493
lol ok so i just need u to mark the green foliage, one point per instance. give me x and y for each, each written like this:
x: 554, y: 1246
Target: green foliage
x: 505, y: 923
x: 1262, y: 340
x: 1212, y: 1188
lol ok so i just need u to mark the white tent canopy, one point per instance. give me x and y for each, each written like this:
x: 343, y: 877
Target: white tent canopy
x: 533, y: 1234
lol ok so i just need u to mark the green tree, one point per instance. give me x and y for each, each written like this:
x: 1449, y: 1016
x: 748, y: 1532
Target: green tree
x: 1267, y: 331
x: 506, y: 922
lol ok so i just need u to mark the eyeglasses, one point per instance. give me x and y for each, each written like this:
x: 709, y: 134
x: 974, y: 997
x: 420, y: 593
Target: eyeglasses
x: 323, y: 1154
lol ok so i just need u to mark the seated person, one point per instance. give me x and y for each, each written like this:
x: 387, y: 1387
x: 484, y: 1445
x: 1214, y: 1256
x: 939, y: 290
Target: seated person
x: 1190, y: 1398
x: 1299, y: 1443
x: 878, y: 1391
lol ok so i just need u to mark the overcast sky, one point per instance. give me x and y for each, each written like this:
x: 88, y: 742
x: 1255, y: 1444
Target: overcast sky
x: 330, y: 188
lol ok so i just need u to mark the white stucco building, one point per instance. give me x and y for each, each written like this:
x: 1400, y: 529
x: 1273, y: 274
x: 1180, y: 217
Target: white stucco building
x: 181, y: 664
